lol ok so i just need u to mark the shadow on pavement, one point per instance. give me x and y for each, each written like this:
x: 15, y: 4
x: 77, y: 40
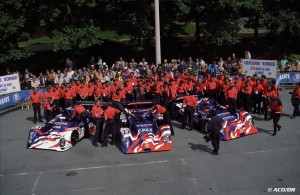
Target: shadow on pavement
x: 260, y: 130
x: 30, y: 118
x: 200, y: 147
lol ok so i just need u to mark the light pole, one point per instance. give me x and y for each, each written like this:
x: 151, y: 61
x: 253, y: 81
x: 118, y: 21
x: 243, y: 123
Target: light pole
x: 157, y: 33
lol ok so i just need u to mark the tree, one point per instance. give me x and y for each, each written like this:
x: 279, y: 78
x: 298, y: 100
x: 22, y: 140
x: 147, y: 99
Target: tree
x: 12, y: 21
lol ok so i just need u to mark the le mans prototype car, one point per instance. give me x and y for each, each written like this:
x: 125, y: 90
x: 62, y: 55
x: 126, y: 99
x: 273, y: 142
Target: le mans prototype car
x: 59, y: 134
x: 234, y: 126
x: 143, y: 133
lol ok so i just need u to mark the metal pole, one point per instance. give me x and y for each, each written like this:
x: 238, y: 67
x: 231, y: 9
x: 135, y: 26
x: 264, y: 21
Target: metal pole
x: 157, y: 33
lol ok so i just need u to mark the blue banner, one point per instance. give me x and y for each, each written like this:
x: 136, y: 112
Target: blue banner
x: 15, y: 98
x: 288, y: 77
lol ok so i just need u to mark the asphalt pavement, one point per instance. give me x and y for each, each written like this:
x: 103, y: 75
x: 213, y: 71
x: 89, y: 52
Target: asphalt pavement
x: 248, y: 165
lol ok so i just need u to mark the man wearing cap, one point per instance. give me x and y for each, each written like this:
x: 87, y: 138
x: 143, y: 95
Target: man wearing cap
x: 190, y: 103
x: 35, y: 99
x: 214, y: 126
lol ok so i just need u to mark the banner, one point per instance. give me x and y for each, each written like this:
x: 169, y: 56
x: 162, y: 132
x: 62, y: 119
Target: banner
x: 15, y: 98
x: 9, y: 84
x: 260, y: 67
x: 288, y: 77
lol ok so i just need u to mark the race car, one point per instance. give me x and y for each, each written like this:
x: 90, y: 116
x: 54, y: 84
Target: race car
x: 234, y: 126
x: 58, y: 134
x: 144, y: 132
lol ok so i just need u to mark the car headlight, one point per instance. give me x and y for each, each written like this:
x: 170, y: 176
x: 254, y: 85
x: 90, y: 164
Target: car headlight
x: 62, y: 142
x: 30, y: 137
x: 126, y: 142
x: 166, y: 138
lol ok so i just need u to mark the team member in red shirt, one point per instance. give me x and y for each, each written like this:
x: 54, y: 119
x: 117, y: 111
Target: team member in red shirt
x: 276, y: 111
x: 172, y: 97
x: 190, y: 103
x: 158, y: 109
x: 231, y: 96
x: 35, y: 99
x: 69, y: 94
x: 47, y: 109
x: 109, y: 118
x: 246, y: 92
x: 83, y: 92
x: 97, y: 114
x: 296, y: 100
x: 212, y: 88
x: 268, y: 94
x: 257, y: 96
x: 56, y: 95
x: 80, y: 111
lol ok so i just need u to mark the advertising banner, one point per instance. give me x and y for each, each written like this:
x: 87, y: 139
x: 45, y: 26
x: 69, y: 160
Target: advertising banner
x: 260, y: 67
x: 288, y: 77
x: 9, y: 84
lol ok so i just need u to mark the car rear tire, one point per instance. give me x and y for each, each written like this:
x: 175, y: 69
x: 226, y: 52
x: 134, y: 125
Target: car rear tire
x: 74, y: 138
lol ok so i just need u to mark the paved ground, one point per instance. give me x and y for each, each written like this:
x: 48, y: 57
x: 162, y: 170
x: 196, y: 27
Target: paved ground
x: 248, y: 165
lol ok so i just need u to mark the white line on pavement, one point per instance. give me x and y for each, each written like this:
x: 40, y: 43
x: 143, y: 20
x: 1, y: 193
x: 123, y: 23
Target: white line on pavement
x: 36, y: 183
x: 88, y: 168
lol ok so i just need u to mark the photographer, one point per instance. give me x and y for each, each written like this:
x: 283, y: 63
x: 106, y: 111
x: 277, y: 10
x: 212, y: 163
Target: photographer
x: 295, y: 100
x: 214, y: 126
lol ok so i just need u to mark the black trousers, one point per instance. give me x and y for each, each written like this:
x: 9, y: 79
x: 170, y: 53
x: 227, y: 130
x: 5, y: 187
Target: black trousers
x: 232, y: 105
x: 257, y: 99
x: 296, y: 103
x: 84, y: 117
x: 276, y: 118
x: 167, y: 120
x: 55, y: 110
x: 172, y: 108
x: 188, y: 116
x: 213, y: 94
x: 266, y: 103
x: 68, y: 103
x: 221, y: 98
x: 99, y: 130
x: 37, y: 110
x: 215, y: 140
x: 246, y: 102
x: 48, y: 115
x: 110, y: 127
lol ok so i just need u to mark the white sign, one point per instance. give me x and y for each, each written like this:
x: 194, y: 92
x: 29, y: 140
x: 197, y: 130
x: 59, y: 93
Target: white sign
x: 9, y: 84
x: 260, y: 67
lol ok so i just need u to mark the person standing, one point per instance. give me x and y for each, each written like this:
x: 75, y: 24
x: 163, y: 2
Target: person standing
x: 246, y: 91
x: 190, y: 103
x: 48, y: 109
x: 231, y: 96
x: 110, y: 126
x: 214, y: 126
x: 158, y: 109
x: 276, y: 111
x: 296, y: 100
x: 80, y: 111
x: 35, y: 99
x: 97, y: 114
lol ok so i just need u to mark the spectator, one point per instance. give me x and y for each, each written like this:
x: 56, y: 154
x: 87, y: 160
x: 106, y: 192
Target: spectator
x: 213, y: 69
x: 282, y: 63
x: 35, y: 82
x: 42, y: 80
x: 296, y: 66
x: 58, y: 80
x: 247, y: 54
x: 287, y: 67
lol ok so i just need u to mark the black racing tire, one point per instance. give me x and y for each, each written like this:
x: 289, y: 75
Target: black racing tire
x: 74, y: 137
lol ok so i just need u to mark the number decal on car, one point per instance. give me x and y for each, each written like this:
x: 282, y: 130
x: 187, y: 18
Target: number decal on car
x: 125, y: 131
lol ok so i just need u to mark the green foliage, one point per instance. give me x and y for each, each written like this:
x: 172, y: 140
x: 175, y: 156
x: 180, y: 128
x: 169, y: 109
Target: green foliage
x: 12, y: 20
x: 75, y: 38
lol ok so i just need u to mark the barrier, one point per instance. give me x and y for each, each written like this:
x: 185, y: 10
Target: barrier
x: 288, y: 79
x: 15, y: 100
